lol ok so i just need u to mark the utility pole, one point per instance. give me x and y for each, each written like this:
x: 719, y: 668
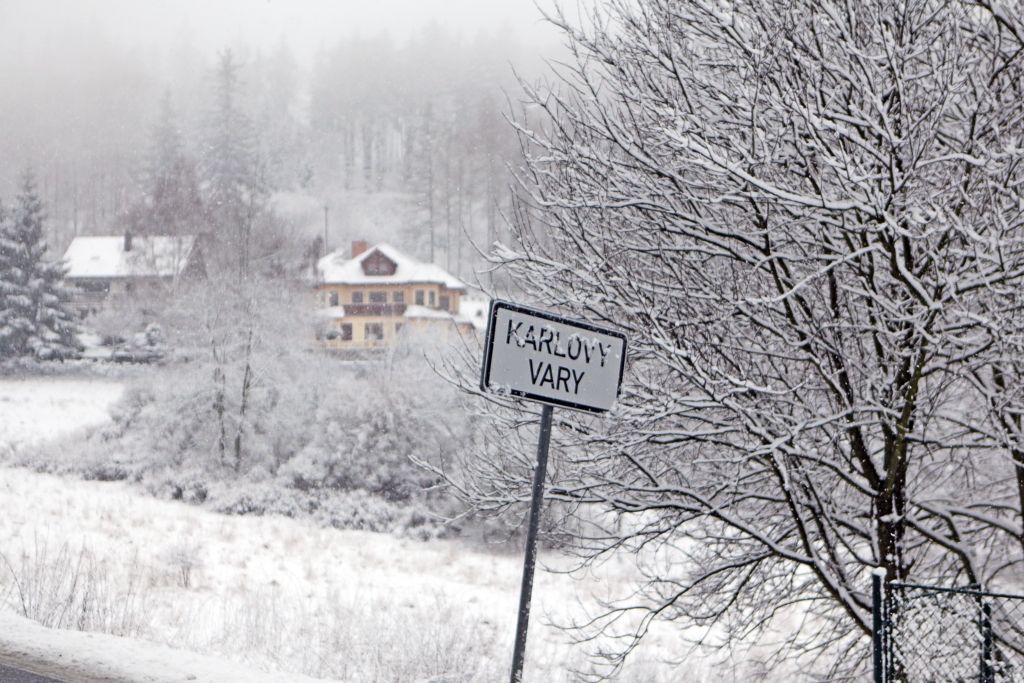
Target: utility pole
x: 325, y: 229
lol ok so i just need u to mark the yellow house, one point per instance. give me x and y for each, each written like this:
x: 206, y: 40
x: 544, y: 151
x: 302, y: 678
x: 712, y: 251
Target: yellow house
x: 372, y: 298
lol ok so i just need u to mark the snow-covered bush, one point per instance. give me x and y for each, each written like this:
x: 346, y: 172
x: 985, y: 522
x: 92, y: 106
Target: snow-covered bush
x: 363, y: 441
x: 358, y: 509
x: 185, y: 560
x: 309, y: 436
x: 186, y: 483
x: 259, y: 423
x: 120, y: 317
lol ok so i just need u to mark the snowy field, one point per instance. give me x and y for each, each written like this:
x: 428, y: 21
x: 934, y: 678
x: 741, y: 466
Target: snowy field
x: 32, y: 410
x: 261, y: 593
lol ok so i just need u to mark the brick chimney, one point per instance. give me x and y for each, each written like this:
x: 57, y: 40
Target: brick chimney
x: 127, y: 240
x: 358, y: 247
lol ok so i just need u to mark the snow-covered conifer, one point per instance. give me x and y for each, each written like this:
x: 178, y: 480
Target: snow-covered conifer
x: 171, y: 203
x: 35, y: 316
x: 232, y: 179
x: 13, y: 327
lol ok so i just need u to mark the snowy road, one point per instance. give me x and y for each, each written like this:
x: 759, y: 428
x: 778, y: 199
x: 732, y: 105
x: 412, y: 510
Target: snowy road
x: 9, y: 675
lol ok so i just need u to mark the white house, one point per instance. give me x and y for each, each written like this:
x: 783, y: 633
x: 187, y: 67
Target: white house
x: 101, y: 267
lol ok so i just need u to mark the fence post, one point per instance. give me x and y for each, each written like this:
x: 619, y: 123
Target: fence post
x: 987, y: 673
x: 877, y: 627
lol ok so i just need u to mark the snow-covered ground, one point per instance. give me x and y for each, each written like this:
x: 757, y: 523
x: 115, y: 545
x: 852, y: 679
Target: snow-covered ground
x: 267, y: 593
x: 33, y: 410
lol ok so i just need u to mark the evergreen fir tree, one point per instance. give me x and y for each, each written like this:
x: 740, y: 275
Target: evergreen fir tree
x: 35, y: 316
x: 171, y: 202
x: 232, y: 180
x: 13, y: 327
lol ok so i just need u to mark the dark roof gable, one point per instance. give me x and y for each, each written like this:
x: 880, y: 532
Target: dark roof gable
x: 376, y: 263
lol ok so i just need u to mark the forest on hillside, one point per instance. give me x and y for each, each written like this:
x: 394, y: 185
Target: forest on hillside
x: 378, y: 138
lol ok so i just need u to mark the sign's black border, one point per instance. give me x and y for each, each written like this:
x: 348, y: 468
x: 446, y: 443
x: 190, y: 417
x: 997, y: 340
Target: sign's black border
x: 485, y: 370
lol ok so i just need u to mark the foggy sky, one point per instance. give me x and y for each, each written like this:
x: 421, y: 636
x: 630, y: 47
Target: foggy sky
x: 29, y: 27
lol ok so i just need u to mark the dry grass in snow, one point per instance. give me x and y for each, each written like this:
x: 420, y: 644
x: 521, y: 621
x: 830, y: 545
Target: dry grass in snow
x: 274, y: 593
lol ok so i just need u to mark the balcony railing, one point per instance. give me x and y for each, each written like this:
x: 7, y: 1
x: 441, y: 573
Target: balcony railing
x: 377, y: 310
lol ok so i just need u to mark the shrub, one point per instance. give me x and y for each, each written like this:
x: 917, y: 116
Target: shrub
x: 315, y: 438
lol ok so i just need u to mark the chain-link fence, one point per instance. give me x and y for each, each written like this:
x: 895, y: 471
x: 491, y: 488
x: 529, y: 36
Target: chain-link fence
x: 927, y: 634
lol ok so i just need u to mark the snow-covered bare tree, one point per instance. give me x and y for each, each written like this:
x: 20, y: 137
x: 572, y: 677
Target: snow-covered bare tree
x: 808, y: 216
x: 35, y: 316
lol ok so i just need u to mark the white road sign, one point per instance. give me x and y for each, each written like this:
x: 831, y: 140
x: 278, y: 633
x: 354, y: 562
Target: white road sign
x: 543, y: 357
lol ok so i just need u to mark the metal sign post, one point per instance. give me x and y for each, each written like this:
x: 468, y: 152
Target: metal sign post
x: 538, y: 356
x: 526, y: 590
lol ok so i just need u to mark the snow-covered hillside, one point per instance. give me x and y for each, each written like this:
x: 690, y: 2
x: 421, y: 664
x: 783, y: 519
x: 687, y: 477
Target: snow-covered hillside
x: 274, y: 594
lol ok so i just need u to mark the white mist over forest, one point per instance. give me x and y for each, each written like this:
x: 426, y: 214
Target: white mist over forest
x: 389, y: 113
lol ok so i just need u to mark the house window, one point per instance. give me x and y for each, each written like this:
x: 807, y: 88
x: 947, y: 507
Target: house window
x: 378, y: 297
x: 444, y: 303
x: 357, y: 297
x: 433, y: 300
x: 334, y: 298
x: 398, y: 297
x: 346, y: 331
x: 373, y: 331
x: 94, y: 287
x: 419, y: 297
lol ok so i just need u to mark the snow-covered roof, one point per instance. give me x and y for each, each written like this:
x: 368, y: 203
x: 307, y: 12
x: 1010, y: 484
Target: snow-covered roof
x: 336, y: 269
x: 424, y: 312
x: 105, y: 257
x: 332, y: 312
x: 473, y: 310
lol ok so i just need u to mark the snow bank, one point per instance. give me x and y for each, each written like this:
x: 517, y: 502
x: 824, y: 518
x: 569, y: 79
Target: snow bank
x: 94, y: 657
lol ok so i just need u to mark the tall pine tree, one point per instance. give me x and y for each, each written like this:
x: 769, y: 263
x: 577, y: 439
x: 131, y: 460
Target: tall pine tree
x: 232, y: 179
x: 171, y: 203
x: 13, y: 329
x: 35, y: 315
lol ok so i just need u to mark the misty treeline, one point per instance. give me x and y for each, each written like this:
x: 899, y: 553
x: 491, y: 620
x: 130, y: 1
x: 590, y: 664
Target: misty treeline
x: 425, y: 118
x: 183, y: 141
